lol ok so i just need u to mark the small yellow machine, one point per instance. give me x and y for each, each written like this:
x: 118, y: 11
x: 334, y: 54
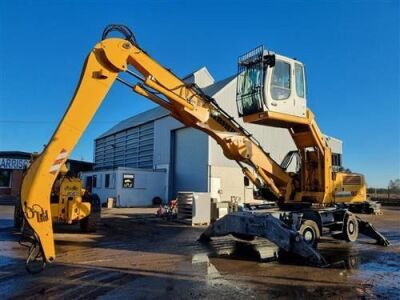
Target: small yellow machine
x: 69, y: 203
x: 271, y: 91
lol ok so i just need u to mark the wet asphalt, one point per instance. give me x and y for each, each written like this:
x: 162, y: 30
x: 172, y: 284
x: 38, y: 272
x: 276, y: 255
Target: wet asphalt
x: 136, y: 255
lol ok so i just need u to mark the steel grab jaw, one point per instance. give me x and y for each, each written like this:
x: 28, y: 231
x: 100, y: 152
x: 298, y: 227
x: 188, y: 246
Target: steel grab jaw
x: 266, y: 226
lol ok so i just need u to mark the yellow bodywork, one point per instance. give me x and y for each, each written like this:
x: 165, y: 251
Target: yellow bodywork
x: 66, y: 201
x: 95, y: 82
x: 349, y: 188
x: 319, y: 183
x: 188, y: 105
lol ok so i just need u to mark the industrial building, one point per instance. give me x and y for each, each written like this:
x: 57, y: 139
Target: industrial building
x: 162, y: 156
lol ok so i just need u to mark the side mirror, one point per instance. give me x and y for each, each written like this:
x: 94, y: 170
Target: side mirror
x: 246, y: 181
x: 269, y: 60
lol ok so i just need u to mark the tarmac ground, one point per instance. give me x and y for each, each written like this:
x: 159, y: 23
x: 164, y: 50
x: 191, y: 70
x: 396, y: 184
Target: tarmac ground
x: 134, y: 254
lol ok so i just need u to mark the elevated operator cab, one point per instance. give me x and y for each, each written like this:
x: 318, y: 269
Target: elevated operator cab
x: 269, y: 82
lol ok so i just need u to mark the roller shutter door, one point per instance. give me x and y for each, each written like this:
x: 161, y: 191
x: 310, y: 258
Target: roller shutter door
x: 190, y: 159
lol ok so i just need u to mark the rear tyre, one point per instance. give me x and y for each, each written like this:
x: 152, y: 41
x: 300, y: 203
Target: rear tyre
x: 18, y: 215
x: 310, y: 232
x: 157, y: 201
x: 350, y: 228
x: 91, y: 222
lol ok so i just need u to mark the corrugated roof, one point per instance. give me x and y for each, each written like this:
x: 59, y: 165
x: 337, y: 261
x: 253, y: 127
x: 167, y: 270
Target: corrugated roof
x: 28, y: 155
x: 15, y: 154
x: 160, y: 112
x: 144, y: 117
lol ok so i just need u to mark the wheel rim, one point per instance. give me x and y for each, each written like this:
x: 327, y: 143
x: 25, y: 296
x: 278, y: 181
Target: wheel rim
x: 308, y: 235
x: 351, y: 227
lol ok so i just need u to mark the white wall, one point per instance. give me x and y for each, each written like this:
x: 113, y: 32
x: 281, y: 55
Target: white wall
x: 148, y: 184
x: 162, y: 139
x: 335, y: 144
x: 231, y: 183
x: 201, y: 77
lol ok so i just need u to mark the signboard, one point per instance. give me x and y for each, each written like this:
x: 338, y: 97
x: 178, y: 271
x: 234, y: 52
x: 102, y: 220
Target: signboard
x: 13, y: 163
x: 128, y: 181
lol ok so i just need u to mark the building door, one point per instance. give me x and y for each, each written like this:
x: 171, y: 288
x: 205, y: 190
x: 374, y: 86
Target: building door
x: 215, y: 188
x: 89, y: 183
x: 190, y: 161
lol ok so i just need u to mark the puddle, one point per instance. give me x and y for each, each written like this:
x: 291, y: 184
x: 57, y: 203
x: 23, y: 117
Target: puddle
x: 353, y: 269
x: 6, y: 218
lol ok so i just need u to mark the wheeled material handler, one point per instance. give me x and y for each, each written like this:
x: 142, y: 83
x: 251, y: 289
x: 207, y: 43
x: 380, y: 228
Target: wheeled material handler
x: 271, y: 91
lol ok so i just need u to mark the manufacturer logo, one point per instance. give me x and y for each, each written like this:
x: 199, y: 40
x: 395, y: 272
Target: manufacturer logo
x: 36, y: 211
x: 224, y: 123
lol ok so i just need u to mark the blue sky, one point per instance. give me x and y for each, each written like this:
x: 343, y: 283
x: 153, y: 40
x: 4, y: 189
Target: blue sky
x: 350, y: 48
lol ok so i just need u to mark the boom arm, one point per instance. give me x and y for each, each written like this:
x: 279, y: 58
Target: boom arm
x: 186, y: 103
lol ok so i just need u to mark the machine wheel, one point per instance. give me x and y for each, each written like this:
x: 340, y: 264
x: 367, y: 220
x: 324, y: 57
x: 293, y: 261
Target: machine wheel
x: 90, y: 223
x: 18, y: 215
x: 350, y: 228
x: 310, y: 232
x: 157, y: 201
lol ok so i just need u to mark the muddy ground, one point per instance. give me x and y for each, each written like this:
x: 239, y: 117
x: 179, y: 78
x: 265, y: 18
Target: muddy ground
x: 138, y: 256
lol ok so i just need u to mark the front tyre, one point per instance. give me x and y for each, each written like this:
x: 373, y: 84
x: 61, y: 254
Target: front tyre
x: 350, y: 228
x: 310, y: 232
x: 18, y: 215
x: 91, y: 222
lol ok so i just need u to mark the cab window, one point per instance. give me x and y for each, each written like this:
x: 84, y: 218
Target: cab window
x: 280, y: 82
x: 299, y: 80
x: 249, y: 92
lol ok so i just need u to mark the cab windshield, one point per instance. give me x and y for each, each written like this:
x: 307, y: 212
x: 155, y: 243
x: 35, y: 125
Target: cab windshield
x: 249, y: 94
x: 280, y: 82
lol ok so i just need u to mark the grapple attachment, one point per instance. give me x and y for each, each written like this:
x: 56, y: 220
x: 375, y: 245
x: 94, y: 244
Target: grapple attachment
x: 266, y: 226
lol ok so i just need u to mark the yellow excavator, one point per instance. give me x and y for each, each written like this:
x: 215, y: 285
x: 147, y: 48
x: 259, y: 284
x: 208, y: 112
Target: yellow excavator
x: 270, y: 91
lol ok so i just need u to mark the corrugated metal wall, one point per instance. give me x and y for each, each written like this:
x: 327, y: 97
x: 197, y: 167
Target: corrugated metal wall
x: 129, y: 148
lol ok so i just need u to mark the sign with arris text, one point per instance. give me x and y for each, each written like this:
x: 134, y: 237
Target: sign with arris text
x: 13, y: 163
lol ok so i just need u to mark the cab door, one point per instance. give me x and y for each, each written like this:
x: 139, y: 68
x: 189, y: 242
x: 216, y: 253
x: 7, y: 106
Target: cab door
x: 284, y: 88
x: 279, y: 87
x: 299, y: 94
